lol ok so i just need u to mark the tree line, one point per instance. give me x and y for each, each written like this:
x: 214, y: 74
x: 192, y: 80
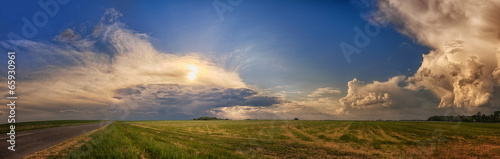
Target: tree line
x: 208, y: 118
x: 478, y: 117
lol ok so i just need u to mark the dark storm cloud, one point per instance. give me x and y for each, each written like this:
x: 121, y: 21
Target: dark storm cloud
x: 213, y: 97
x: 262, y: 101
x: 169, y: 100
x: 128, y: 91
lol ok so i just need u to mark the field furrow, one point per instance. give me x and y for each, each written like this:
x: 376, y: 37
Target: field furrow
x: 292, y: 139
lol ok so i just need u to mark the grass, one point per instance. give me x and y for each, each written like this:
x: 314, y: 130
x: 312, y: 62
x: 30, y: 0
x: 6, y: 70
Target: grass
x: 292, y: 139
x: 4, y: 128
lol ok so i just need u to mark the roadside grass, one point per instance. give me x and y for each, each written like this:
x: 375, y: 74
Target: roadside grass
x: 4, y: 128
x: 62, y: 149
x: 292, y: 139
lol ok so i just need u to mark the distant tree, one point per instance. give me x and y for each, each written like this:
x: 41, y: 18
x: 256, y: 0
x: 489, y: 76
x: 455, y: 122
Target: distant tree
x: 478, y: 117
x: 207, y: 118
x: 496, y: 116
x: 296, y: 119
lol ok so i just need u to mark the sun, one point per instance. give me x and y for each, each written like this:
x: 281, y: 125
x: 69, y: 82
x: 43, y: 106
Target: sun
x: 193, y: 71
x: 192, y: 75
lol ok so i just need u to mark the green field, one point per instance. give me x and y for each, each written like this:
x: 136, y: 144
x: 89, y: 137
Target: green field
x: 4, y: 128
x: 292, y: 139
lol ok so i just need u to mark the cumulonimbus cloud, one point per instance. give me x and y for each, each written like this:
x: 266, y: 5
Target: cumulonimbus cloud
x: 463, y: 67
x: 360, y: 95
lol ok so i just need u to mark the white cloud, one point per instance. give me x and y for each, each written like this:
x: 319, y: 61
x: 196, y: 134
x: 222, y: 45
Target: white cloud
x: 60, y: 77
x: 462, y: 69
x: 67, y: 36
x: 360, y: 95
x: 324, y: 91
x: 285, y: 111
x: 95, y: 72
x: 319, y: 105
x: 91, y: 76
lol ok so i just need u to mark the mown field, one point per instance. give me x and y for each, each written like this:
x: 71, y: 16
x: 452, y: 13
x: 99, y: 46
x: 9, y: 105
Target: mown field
x: 292, y: 139
x: 4, y: 128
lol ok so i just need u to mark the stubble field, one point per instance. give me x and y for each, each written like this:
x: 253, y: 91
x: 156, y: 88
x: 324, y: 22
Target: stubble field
x: 291, y: 139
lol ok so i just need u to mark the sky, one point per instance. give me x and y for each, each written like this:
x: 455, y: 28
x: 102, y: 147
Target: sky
x: 251, y: 59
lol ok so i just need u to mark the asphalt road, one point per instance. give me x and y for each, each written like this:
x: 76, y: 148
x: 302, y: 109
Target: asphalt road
x: 31, y: 141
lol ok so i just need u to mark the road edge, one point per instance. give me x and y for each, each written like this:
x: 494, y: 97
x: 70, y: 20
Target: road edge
x: 61, y: 149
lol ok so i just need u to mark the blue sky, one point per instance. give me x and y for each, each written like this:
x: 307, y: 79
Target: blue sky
x: 279, y: 47
x: 295, y: 43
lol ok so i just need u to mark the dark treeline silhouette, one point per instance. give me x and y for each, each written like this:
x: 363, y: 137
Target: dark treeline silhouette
x: 208, y: 118
x: 492, y: 118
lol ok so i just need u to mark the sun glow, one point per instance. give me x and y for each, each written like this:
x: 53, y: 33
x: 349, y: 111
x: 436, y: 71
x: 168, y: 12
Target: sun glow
x: 193, y: 71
